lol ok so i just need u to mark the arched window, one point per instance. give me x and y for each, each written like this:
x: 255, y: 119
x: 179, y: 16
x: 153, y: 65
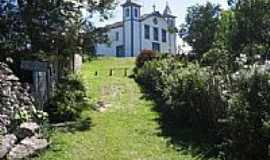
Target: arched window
x: 127, y: 12
x: 136, y: 12
x: 116, y: 36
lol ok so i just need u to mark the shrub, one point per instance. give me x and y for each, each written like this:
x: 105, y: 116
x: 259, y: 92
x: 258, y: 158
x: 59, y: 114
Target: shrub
x: 233, y: 108
x: 69, y: 100
x: 185, y: 88
x: 145, y: 56
x: 248, y: 114
x: 218, y: 58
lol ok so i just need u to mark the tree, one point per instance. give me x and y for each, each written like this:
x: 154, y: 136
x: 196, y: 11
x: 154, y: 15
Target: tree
x: 251, y: 35
x: 45, y: 27
x: 200, y: 27
x: 220, y: 55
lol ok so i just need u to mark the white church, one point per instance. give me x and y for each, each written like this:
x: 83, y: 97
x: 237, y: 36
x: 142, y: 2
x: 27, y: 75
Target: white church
x: 137, y: 32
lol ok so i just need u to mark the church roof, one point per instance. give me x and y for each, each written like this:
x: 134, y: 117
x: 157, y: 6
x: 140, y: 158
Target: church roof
x: 142, y: 18
x: 145, y: 16
x: 130, y: 3
x: 167, y: 13
x: 115, y: 25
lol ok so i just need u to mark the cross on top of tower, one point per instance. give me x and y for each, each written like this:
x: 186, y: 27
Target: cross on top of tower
x: 154, y: 7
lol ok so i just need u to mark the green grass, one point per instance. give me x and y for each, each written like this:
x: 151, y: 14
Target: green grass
x: 128, y: 130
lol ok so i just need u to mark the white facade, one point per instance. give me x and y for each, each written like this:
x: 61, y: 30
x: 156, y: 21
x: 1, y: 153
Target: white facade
x: 154, y: 31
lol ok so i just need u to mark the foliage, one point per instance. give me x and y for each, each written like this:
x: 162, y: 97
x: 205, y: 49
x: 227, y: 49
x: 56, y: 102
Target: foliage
x: 69, y: 101
x: 252, y: 28
x: 185, y: 88
x: 219, y: 59
x: 144, y: 56
x: 52, y: 27
x: 220, y: 56
x: 200, y: 27
x: 228, y: 93
x: 130, y: 126
x: 246, y: 133
x: 225, y: 30
x: 231, y: 107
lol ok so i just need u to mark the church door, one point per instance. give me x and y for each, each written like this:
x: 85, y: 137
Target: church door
x: 120, y: 51
x: 156, y: 47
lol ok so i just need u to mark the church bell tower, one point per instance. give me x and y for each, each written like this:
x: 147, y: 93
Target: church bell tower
x: 131, y: 28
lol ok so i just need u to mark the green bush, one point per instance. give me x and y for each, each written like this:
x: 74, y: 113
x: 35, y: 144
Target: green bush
x: 69, y: 100
x: 246, y: 132
x: 233, y: 108
x: 186, y: 88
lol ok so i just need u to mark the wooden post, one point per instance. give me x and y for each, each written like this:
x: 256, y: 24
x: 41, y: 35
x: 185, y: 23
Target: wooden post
x: 111, y: 72
x: 126, y: 72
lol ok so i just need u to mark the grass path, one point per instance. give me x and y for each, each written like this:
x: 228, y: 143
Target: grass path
x: 128, y: 130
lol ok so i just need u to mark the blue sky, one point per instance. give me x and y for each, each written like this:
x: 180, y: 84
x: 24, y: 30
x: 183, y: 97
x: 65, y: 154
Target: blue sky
x: 178, y: 7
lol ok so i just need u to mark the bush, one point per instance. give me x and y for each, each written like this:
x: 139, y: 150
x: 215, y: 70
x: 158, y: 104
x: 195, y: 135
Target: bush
x: 248, y: 114
x: 185, y: 88
x: 69, y: 100
x: 145, y: 56
x: 233, y: 108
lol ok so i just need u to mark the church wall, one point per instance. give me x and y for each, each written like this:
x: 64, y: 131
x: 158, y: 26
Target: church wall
x: 137, y: 37
x: 110, y: 49
x: 127, y: 39
x: 162, y: 24
x: 131, y: 34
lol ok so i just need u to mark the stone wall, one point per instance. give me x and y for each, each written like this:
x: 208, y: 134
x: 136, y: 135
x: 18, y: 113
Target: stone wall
x: 19, y: 133
x: 15, y: 101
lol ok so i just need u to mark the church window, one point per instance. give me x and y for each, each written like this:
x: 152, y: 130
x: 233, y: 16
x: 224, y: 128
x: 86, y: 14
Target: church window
x: 155, y: 21
x: 146, y: 31
x: 136, y: 12
x: 117, y: 36
x: 156, y: 37
x: 164, y: 35
x: 127, y: 12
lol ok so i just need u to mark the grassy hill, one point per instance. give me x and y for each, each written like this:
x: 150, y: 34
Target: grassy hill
x: 127, y: 130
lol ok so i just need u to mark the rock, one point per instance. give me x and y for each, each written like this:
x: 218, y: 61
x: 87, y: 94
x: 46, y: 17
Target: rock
x: 7, y: 142
x: 27, y: 129
x: 35, y: 143
x: 5, y: 92
x: 20, y: 152
x: 4, y: 121
x: 27, y: 148
x: 14, y: 99
x: 102, y: 106
x: 9, y: 60
x: 12, y: 78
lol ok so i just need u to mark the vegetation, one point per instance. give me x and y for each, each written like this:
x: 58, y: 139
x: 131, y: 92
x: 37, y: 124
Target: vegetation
x: 228, y: 108
x: 68, y: 101
x: 128, y: 129
x: 221, y: 98
x: 200, y: 27
x: 251, y: 34
x: 224, y: 93
x: 50, y: 27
